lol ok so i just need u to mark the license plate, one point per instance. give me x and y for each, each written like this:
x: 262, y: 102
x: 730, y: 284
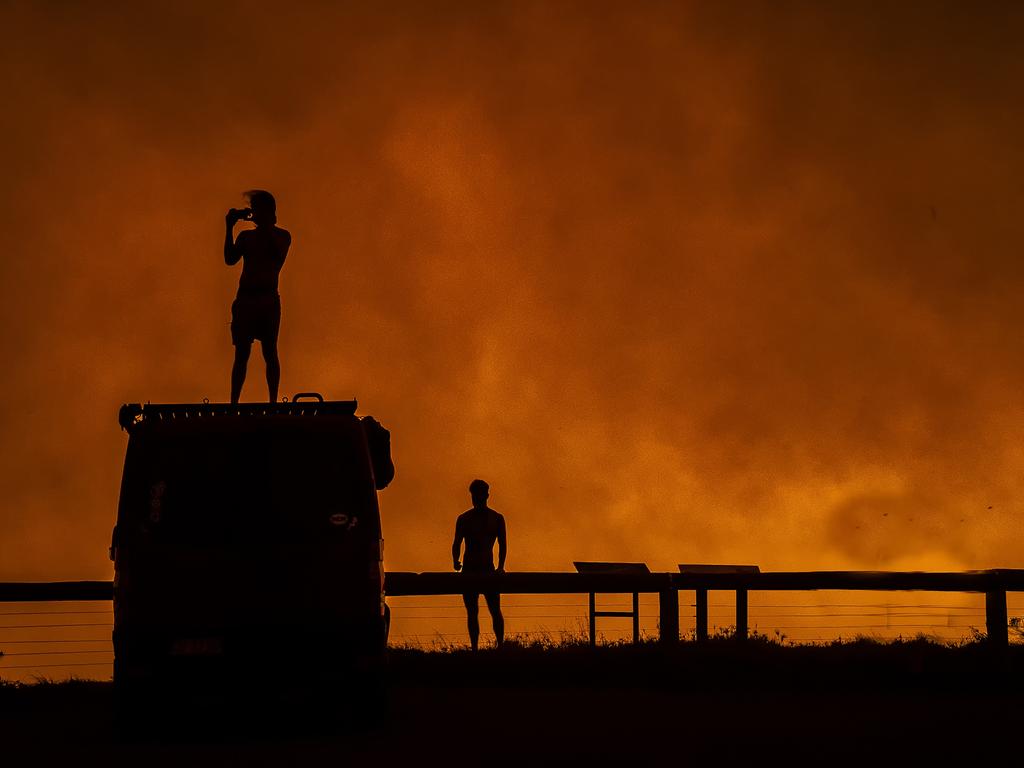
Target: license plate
x: 198, y: 646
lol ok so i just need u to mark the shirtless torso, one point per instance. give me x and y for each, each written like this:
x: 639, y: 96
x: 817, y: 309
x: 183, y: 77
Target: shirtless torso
x: 263, y: 251
x: 480, y: 528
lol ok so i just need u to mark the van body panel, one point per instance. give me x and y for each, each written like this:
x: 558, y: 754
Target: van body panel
x: 241, y: 539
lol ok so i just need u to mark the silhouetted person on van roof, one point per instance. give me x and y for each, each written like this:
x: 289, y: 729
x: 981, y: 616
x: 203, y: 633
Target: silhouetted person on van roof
x: 479, y: 527
x: 256, y: 311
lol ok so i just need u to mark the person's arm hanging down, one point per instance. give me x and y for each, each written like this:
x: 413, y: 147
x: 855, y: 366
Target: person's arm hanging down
x: 502, y: 545
x: 457, y: 545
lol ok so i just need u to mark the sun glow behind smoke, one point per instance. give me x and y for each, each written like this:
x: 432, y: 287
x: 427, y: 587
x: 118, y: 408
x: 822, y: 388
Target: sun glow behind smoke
x: 684, y: 285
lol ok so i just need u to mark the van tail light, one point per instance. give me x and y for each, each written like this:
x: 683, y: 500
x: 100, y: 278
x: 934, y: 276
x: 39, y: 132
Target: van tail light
x: 376, y: 560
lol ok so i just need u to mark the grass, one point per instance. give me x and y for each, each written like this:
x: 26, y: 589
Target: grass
x: 762, y: 661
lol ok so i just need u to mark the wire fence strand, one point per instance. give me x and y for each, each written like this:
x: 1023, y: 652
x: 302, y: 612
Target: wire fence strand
x: 56, y: 653
x: 558, y: 620
x: 70, y: 664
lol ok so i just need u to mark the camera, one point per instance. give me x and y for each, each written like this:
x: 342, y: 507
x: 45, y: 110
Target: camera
x: 243, y: 214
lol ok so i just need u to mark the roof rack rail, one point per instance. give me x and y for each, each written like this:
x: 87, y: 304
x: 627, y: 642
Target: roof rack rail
x: 133, y: 414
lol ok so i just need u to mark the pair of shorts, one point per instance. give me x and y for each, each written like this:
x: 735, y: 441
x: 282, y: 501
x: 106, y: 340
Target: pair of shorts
x: 255, y: 318
x: 472, y: 599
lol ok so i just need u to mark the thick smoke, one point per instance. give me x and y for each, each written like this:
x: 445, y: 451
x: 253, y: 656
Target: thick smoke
x: 711, y: 283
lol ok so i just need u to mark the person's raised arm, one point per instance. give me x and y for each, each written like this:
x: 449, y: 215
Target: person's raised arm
x: 502, y: 545
x: 457, y: 546
x: 232, y: 253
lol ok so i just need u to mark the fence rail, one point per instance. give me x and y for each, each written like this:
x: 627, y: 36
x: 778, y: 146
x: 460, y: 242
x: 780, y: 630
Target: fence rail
x: 993, y: 583
x: 55, y: 591
x: 403, y: 583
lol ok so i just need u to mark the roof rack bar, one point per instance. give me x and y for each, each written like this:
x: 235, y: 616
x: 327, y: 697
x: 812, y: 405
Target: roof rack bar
x: 133, y: 414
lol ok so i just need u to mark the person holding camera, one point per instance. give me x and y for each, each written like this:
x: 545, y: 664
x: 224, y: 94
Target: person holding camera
x: 256, y: 311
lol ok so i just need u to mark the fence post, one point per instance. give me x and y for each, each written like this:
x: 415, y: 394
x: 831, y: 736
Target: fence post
x: 636, y: 618
x: 702, y: 615
x: 741, y: 614
x: 668, y: 616
x: 995, y: 618
x: 593, y: 621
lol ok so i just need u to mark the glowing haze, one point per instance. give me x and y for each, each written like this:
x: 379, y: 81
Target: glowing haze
x: 711, y: 283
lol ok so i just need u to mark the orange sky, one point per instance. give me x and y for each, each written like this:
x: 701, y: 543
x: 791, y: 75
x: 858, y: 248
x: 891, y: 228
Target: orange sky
x: 722, y: 283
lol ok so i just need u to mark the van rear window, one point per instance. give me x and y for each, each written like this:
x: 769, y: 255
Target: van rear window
x: 222, y: 488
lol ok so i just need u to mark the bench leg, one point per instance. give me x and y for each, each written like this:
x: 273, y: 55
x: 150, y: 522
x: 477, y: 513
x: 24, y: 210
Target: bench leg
x: 741, y: 614
x: 702, y: 615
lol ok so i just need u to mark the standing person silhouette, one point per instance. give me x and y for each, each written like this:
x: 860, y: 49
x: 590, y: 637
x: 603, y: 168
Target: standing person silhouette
x: 479, y: 527
x: 256, y: 311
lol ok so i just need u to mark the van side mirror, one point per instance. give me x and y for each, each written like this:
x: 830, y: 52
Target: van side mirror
x: 378, y: 441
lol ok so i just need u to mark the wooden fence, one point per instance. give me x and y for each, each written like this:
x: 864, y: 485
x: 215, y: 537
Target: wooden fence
x: 993, y: 583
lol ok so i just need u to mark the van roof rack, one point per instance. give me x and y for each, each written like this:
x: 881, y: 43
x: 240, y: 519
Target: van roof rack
x: 133, y: 414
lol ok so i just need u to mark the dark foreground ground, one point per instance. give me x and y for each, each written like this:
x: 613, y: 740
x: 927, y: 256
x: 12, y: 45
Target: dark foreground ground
x: 719, y: 704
